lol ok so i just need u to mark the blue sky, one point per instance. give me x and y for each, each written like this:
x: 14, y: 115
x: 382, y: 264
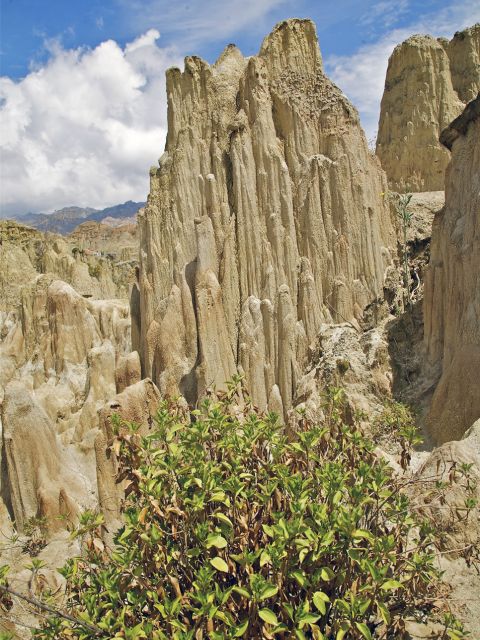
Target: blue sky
x: 82, y: 91
x: 343, y: 26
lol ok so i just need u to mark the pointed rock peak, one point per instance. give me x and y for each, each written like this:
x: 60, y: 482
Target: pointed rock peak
x: 230, y: 59
x: 293, y: 44
x: 195, y: 63
x: 230, y: 52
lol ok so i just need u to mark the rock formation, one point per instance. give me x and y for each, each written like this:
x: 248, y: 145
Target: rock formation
x: 264, y: 219
x: 97, y: 268
x: 464, y: 54
x: 452, y: 287
x: 63, y: 353
x: 428, y: 81
x: 43, y: 480
x: 57, y: 364
x: 137, y: 403
x: 418, y: 102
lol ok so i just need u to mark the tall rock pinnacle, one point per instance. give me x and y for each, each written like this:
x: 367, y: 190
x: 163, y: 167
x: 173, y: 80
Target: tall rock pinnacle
x: 428, y: 82
x: 265, y: 218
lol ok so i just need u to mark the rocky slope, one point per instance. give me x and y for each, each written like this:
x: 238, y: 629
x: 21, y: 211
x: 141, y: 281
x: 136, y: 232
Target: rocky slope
x: 264, y: 220
x: 119, y: 242
x: 452, y: 287
x: 428, y: 81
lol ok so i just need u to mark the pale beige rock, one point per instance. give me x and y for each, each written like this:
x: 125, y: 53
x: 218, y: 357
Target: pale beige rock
x: 452, y: 286
x: 137, y: 403
x: 264, y: 219
x: 456, y: 526
x: 127, y: 371
x: 101, y: 266
x: 359, y: 362
x: 37, y: 483
x: 464, y: 55
x: 418, y: 102
x: 58, y: 357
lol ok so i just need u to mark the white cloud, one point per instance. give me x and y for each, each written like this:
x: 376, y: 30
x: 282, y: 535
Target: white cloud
x: 84, y: 128
x: 362, y: 75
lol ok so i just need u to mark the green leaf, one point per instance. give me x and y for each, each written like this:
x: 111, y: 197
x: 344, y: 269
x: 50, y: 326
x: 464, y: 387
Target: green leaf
x: 344, y: 627
x: 219, y: 564
x: 242, y: 592
x: 326, y: 574
x: 299, y: 577
x: 364, y: 630
x: 390, y: 585
x: 224, y: 519
x: 289, y: 609
x: 268, y: 616
x: 384, y: 612
x: 360, y: 534
x: 319, y: 600
x: 268, y: 592
x: 241, y: 629
x: 216, y: 540
x: 300, y: 635
x: 265, y: 558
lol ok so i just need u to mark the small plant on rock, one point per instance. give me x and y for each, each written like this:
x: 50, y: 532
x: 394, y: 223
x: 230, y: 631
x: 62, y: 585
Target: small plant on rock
x: 36, y: 531
x: 401, y: 203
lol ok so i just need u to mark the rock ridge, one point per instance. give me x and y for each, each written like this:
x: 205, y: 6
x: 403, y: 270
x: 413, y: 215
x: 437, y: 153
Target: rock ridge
x: 264, y: 218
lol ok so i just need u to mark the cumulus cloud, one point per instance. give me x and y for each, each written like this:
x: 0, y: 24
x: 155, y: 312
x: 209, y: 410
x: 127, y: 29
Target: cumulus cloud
x: 362, y: 75
x: 84, y: 128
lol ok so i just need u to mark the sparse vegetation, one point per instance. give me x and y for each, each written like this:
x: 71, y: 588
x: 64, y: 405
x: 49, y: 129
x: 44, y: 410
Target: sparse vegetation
x: 401, y: 202
x: 232, y: 529
x: 94, y: 270
x: 36, y: 531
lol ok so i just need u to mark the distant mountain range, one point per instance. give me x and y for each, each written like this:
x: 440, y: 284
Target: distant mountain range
x: 65, y: 220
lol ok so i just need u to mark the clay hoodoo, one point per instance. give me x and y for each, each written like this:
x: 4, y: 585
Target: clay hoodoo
x: 265, y: 218
x: 464, y: 55
x: 452, y: 286
x: 428, y: 82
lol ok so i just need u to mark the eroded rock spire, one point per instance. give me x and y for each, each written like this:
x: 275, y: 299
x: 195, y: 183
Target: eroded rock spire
x: 265, y: 218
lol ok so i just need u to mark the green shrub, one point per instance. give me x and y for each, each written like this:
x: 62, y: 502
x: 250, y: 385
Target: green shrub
x: 234, y: 530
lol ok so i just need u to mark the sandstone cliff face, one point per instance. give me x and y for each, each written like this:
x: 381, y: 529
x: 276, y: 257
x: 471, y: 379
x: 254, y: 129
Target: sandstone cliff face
x: 264, y: 219
x: 464, y: 54
x: 419, y: 101
x: 452, y: 287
